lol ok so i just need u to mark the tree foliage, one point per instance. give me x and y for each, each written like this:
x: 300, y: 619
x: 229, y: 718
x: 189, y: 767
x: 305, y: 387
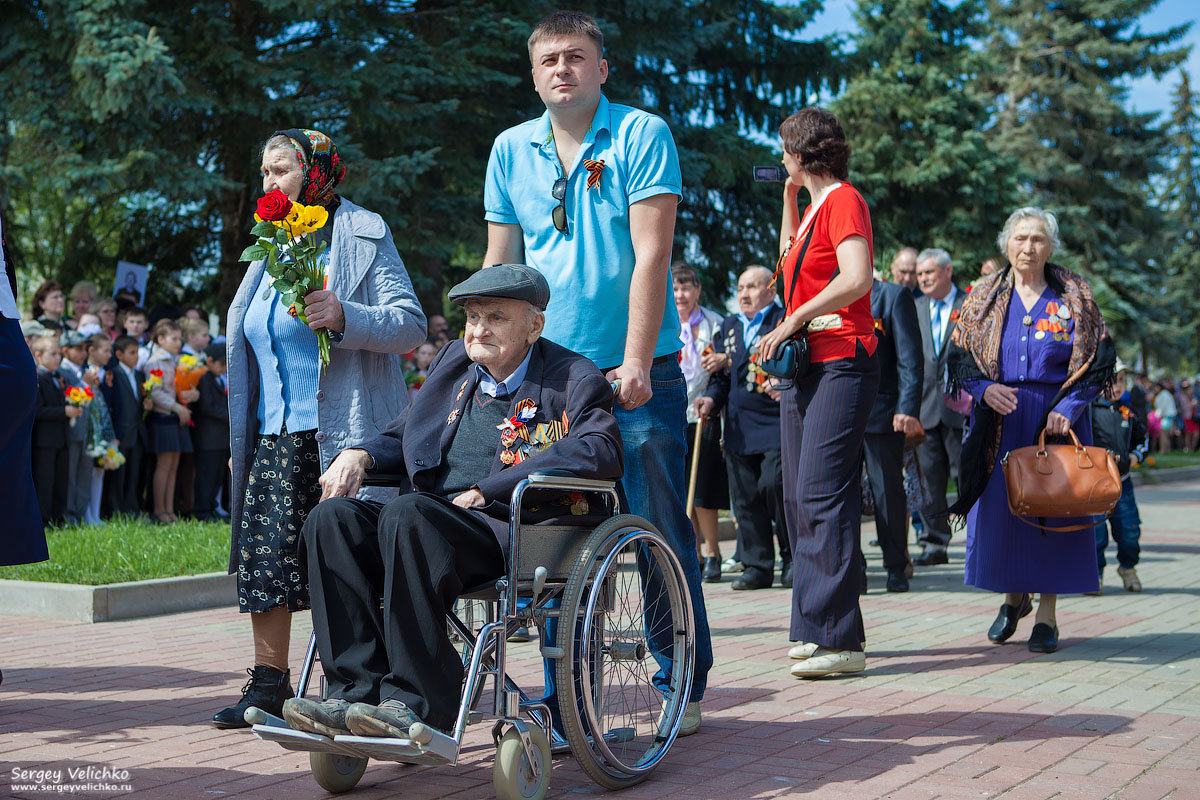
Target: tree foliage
x: 154, y: 114
x: 916, y: 117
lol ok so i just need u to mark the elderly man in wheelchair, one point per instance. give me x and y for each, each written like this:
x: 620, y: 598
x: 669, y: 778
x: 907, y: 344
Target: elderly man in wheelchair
x: 501, y: 410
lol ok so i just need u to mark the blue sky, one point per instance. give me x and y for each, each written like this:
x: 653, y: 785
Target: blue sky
x: 1146, y: 94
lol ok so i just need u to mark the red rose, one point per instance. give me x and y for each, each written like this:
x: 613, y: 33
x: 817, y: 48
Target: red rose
x: 274, y: 205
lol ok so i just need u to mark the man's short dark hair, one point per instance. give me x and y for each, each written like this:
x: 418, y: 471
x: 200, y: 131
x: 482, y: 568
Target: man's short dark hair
x: 567, y: 23
x: 682, y: 272
x: 815, y: 137
x: 122, y: 343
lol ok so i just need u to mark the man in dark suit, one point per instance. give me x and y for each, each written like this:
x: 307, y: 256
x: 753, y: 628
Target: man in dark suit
x: 496, y: 406
x: 894, y: 415
x: 938, y: 455
x: 210, y: 437
x: 752, y: 446
x: 129, y: 426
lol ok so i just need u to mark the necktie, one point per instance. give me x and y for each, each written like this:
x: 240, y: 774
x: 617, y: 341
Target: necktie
x: 937, y: 327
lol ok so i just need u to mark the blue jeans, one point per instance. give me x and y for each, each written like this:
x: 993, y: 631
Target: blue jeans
x: 1126, y: 530
x: 655, y: 488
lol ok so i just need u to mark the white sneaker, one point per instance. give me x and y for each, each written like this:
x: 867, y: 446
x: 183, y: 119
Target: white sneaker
x: 1130, y: 578
x: 803, y: 650
x: 691, y: 718
x: 829, y: 662
x: 731, y: 566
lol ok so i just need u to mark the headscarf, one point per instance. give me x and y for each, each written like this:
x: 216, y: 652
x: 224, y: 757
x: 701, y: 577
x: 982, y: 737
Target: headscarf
x: 975, y: 354
x: 322, y: 166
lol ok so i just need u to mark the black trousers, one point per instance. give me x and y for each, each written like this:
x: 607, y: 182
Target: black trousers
x: 938, y: 456
x: 210, y: 474
x: 884, y: 454
x: 824, y: 419
x: 50, y: 479
x: 122, y: 484
x: 416, y: 554
x: 756, y: 494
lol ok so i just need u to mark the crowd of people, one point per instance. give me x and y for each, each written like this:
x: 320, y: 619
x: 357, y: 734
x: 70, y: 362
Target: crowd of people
x: 906, y: 385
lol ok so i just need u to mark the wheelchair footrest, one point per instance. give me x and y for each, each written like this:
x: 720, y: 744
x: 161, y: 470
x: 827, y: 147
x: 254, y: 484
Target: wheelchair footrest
x: 441, y: 749
x: 292, y: 739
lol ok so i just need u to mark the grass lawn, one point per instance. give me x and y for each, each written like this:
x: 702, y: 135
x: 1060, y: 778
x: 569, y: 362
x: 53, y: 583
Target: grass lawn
x: 1176, y: 458
x: 128, y: 550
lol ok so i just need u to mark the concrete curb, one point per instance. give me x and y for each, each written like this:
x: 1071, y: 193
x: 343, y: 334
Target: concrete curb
x: 78, y: 603
x: 1157, y: 476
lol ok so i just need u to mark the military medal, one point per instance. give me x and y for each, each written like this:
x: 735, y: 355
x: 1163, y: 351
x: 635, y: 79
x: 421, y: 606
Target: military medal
x: 1064, y: 312
x: 507, y: 458
x: 1026, y: 320
x: 1040, y: 335
x: 453, y: 416
x: 461, y: 390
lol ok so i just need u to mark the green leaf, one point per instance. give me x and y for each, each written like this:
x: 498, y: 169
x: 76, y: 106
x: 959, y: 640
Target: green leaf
x: 288, y: 298
x: 281, y: 236
x: 273, y: 259
x: 263, y: 228
x: 253, y: 253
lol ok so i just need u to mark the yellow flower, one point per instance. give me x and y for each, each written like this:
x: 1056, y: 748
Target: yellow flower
x: 295, y: 215
x: 187, y: 362
x: 313, y: 217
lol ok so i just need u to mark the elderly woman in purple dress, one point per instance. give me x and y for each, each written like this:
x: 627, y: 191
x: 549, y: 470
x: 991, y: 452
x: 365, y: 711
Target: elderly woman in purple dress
x: 1032, y: 349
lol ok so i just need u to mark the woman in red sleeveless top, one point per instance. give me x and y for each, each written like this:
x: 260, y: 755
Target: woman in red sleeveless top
x: 827, y: 285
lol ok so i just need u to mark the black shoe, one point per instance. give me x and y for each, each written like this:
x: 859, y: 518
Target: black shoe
x: 712, y: 569
x: 897, y: 581
x: 1043, y: 639
x: 326, y: 717
x: 266, y: 689
x: 752, y: 578
x: 785, y: 577
x: 931, y: 556
x: 1006, y: 621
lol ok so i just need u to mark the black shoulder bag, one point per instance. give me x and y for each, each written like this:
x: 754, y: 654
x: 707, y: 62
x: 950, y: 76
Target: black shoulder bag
x: 792, y: 359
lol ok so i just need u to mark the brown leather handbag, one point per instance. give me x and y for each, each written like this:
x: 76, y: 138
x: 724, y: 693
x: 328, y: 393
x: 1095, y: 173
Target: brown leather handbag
x: 1061, y: 480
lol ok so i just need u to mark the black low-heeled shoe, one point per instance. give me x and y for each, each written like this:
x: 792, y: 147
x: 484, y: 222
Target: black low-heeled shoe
x: 1043, y: 639
x: 1006, y: 621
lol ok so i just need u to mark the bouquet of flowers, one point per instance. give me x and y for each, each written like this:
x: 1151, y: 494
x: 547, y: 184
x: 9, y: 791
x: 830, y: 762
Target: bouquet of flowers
x: 107, y: 455
x: 188, y: 371
x: 414, y: 379
x: 294, y: 262
x: 153, y: 381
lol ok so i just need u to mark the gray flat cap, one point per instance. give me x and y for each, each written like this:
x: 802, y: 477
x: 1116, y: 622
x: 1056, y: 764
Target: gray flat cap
x: 511, y: 281
x: 72, y: 338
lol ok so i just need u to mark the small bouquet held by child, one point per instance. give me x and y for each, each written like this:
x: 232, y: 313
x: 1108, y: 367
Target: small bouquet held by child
x: 294, y: 260
x: 188, y: 371
x: 107, y: 456
x: 79, y: 397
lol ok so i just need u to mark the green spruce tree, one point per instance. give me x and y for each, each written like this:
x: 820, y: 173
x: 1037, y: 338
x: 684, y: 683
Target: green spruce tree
x: 1178, y: 341
x: 915, y: 117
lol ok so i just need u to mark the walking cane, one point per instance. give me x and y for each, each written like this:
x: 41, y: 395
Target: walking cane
x: 691, y: 500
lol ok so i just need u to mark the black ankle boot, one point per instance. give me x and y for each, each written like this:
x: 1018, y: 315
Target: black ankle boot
x: 266, y: 689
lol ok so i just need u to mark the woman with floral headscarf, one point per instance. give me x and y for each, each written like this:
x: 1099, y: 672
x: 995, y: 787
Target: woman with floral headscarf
x: 287, y: 418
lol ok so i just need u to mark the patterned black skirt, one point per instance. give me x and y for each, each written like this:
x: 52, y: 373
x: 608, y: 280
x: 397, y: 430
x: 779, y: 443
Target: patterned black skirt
x: 281, y: 490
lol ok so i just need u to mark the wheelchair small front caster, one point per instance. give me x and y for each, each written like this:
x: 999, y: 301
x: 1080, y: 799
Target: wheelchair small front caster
x: 513, y: 777
x: 335, y: 772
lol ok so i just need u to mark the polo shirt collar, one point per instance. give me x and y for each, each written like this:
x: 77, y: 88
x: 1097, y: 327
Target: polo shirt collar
x: 544, y: 136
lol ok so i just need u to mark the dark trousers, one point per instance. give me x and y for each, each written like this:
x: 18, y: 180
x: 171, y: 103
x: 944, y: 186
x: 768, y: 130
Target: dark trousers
x: 756, y: 494
x: 1126, y: 526
x: 122, y: 484
x: 50, y: 479
x: 210, y: 474
x: 417, y: 553
x: 884, y: 454
x: 824, y: 419
x: 938, y: 456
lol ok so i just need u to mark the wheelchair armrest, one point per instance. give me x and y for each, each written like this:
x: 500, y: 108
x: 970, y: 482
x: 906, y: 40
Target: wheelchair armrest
x: 389, y: 479
x: 565, y: 476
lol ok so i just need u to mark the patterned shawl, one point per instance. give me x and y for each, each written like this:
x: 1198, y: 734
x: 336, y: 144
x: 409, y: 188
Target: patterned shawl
x: 322, y: 166
x: 975, y: 354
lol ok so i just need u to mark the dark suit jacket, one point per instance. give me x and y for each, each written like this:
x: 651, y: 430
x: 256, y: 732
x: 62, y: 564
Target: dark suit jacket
x: 901, y: 363
x: 558, y: 380
x: 211, y: 415
x: 128, y: 423
x: 751, y: 417
x: 50, y: 412
x: 933, y: 401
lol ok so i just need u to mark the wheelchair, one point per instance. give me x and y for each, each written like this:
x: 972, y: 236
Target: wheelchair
x: 614, y: 617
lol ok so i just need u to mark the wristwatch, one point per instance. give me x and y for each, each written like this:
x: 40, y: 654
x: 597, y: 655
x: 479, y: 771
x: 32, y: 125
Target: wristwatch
x: 336, y: 336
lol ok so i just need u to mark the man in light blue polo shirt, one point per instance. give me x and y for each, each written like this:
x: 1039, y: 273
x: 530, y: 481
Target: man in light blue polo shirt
x: 587, y: 193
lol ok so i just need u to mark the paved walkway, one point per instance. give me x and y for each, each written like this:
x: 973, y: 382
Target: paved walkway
x: 940, y: 713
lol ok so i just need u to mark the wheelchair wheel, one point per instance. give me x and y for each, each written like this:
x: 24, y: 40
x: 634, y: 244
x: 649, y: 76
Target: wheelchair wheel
x: 336, y: 773
x: 513, y: 777
x: 626, y: 628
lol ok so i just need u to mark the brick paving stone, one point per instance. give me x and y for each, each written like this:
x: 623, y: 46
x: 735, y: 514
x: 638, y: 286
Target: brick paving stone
x: 939, y: 713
